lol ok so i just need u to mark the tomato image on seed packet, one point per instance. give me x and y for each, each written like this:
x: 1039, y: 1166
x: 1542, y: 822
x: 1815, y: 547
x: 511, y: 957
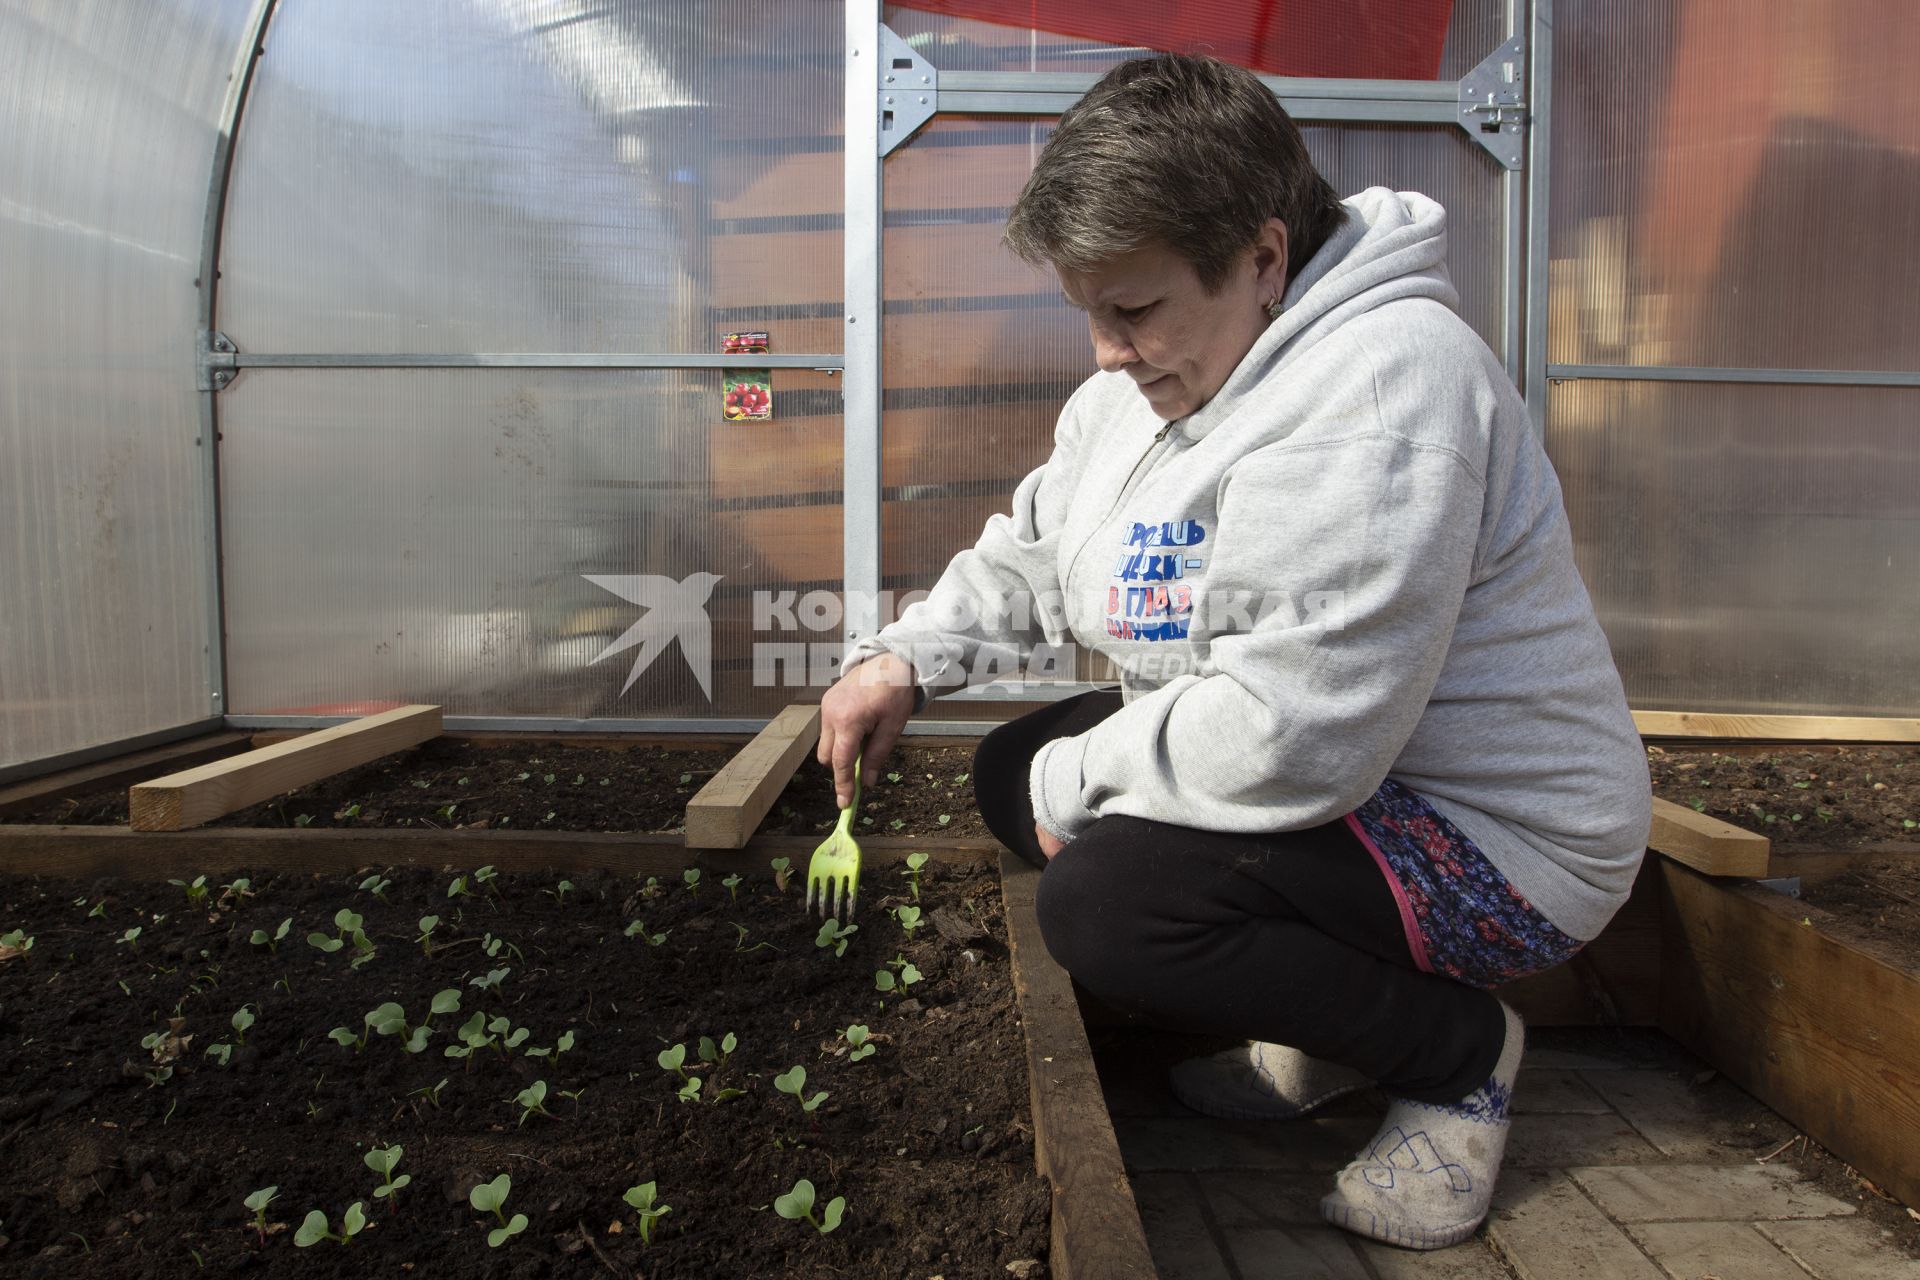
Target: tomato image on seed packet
x: 749, y: 395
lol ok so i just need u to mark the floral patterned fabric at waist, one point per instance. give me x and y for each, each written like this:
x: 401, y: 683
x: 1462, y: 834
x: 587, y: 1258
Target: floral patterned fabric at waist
x: 1462, y: 917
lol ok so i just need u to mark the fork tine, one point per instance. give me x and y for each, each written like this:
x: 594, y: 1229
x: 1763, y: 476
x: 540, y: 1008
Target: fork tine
x: 851, y: 890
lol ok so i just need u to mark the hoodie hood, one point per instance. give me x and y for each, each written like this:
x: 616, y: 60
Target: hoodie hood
x: 1392, y: 245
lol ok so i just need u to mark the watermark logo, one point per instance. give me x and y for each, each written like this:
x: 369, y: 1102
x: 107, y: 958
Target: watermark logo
x: 675, y: 610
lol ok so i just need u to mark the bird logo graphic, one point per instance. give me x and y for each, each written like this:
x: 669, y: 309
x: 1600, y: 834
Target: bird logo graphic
x: 675, y: 610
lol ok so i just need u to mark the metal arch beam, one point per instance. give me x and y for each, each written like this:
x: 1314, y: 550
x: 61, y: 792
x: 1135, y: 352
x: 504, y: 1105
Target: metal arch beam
x: 239, y: 82
x: 1536, y: 383
x: 1707, y: 373
x: 223, y: 358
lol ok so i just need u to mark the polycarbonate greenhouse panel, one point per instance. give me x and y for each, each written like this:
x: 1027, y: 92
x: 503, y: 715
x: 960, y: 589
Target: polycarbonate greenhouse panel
x: 511, y: 543
x: 982, y: 351
x: 1758, y: 204
x: 453, y: 176
x: 1748, y: 548
x: 108, y: 113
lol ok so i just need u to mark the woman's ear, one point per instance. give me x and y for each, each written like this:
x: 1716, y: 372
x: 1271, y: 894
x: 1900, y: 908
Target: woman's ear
x: 1270, y: 259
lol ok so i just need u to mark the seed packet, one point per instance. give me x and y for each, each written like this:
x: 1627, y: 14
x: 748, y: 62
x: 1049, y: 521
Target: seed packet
x: 747, y: 393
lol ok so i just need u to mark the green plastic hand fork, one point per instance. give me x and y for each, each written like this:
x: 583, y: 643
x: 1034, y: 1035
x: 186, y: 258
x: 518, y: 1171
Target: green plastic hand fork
x: 833, y: 877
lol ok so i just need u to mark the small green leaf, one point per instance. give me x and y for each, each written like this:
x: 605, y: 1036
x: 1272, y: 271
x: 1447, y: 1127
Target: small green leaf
x: 489, y: 1196
x: 796, y: 1204
x: 312, y: 1231
x: 835, y: 1210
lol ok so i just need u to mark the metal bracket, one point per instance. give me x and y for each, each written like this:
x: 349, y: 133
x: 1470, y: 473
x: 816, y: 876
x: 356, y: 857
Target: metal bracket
x: 1493, y: 103
x: 217, y: 360
x: 908, y: 93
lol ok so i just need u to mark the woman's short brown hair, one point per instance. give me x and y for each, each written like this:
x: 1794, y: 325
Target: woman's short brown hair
x: 1178, y: 150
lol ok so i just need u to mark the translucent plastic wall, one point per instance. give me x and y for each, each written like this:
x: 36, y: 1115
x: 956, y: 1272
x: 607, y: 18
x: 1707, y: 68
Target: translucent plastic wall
x: 982, y: 351
x: 108, y: 116
x: 526, y: 176
x: 1750, y: 547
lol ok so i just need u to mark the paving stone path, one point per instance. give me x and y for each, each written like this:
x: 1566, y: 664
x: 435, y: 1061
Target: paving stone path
x: 1628, y: 1160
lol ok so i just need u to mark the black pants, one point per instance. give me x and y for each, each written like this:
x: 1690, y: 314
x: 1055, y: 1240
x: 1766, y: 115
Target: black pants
x: 1291, y: 937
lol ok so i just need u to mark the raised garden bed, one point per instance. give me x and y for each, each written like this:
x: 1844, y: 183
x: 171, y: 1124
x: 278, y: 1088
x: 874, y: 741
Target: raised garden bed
x: 930, y: 1140
x: 543, y: 786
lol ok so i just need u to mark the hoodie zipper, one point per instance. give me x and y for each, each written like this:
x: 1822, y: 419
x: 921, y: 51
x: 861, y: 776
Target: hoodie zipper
x: 1066, y: 587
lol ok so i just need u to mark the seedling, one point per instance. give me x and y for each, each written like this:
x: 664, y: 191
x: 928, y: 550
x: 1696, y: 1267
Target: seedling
x: 740, y: 940
x: 833, y: 934
x: 272, y: 942
x: 196, y: 889
x: 427, y: 926
x: 636, y: 928
x: 641, y: 1200
x: 99, y: 910
x: 915, y: 861
x: 344, y: 1036
x: 782, y: 867
x: 243, y: 1021
x: 533, y: 1101
x: 15, y: 944
x: 458, y: 888
x: 560, y: 891
x: 239, y: 891
x: 304, y: 820
x: 130, y: 939
x: 487, y: 1198
x: 563, y: 1045
x: 347, y: 927
x: 717, y: 1054
x: 909, y: 918
x: 732, y: 884
x: 382, y: 1161
x: 944, y: 819
x: 258, y: 1202
x: 692, y: 876
x: 314, y: 1229
x: 798, y: 1204
x: 491, y: 980
x: 221, y: 1053
x: 885, y: 981
x: 674, y: 1060
x: 859, y: 1042
x: 378, y: 887
x: 430, y: 1092
x: 795, y: 1083
x: 485, y: 877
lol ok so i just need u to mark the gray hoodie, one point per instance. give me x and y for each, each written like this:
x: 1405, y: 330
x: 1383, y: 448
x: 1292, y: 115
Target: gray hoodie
x: 1351, y: 563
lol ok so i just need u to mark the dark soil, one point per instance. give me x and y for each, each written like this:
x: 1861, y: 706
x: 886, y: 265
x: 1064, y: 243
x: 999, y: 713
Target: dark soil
x: 1833, y: 799
x: 1828, y: 798
x: 535, y: 786
x: 1878, y: 901
x: 107, y: 1173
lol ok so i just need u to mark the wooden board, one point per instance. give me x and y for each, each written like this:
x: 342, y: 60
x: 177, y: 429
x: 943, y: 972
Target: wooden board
x: 1707, y: 844
x: 182, y: 800
x: 80, y: 852
x: 122, y: 770
x: 1695, y: 724
x: 1096, y: 1225
x: 725, y: 813
x: 1825, y: 1032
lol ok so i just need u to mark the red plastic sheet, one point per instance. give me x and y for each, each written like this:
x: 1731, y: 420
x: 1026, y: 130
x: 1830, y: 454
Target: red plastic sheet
x: 1363, y: 39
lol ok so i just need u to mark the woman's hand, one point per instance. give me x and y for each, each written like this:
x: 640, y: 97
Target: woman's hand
x: 1048, y: 844
x: 869, y: 704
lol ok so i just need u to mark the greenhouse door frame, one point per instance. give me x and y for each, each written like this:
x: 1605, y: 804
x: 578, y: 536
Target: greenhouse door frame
x: 1504, y: 104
